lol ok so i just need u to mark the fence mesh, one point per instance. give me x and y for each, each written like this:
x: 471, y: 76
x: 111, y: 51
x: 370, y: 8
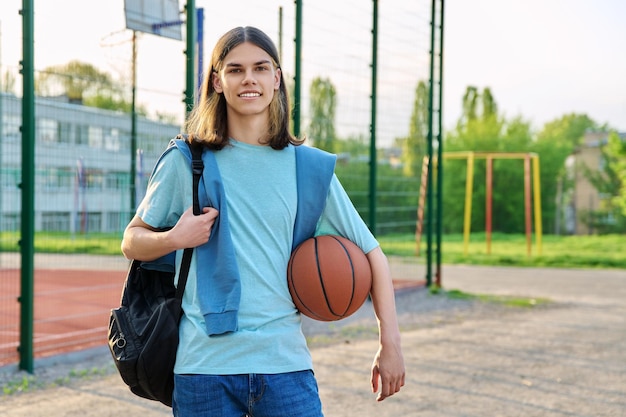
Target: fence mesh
x: 82, y: 153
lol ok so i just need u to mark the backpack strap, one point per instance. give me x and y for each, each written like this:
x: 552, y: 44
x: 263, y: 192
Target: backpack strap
x: 197, y: 166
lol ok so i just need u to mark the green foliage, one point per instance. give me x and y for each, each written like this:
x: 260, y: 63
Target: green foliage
x: 354, y: 177
x: 606, y: 179
x: 481, y: 129
x: 77, y: 79
x: 611, y: 180
x: 487, y: 133
x: 28, y: 383
x: 509, y: 301
x: 109, y: 101
x: 354, y: 146
x: 323, y: 103
x: 83, y: 83
x: 414, y: 146
x: 434, y: 289
x: 604, y: 220
x: 567, y: 130
x: 23, y: 384
x: 555, y: 142
x: 397, y: 196
x: 470, y: 104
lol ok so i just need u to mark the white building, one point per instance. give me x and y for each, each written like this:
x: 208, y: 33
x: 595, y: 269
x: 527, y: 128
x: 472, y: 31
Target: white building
x: 82, y: 164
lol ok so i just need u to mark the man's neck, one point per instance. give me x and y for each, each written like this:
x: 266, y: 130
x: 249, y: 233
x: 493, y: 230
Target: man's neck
x: 249, y: 129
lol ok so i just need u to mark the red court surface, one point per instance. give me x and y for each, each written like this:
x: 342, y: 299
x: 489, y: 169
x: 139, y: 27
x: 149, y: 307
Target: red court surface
x: 71, y: 309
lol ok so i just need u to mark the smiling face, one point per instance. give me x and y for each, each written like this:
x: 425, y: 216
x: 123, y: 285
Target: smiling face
x: 248, y: 80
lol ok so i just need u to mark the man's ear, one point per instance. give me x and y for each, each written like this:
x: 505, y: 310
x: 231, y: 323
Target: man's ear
x: 217, y: 82
x: 277, y: 79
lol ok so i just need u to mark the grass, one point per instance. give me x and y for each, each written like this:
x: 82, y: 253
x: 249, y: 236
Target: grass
x: 606, y: 251
x: 27, y: 383
x: 92, y: 244
x: 505, y: 300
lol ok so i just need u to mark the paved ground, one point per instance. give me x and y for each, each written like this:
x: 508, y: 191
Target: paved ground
x: 463, y: 358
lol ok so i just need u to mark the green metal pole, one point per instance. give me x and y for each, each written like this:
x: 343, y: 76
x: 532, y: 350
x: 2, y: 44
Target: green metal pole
x: 27, y: 246
x: 440, y: 150
x: 298, y: 70
x: 133, y: 131
x: 373, y: 156
x: 190, y: 52
x: 429, y: 186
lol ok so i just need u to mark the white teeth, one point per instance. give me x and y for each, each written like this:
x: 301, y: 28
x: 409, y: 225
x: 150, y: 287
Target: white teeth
x: 250, y: 95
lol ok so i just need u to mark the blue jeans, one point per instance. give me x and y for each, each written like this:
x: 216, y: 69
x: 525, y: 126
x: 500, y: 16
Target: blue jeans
x: 292, y: 394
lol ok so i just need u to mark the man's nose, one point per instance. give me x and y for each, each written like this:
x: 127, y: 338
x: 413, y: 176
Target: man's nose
x: 249, y: 77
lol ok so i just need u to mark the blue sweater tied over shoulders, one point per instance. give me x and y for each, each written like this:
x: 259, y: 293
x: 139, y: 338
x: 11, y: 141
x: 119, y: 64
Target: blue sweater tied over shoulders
x: 219, y: 286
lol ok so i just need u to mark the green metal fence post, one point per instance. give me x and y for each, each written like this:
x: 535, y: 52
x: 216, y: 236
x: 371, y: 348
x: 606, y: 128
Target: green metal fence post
x: 373, y: 156
x: 298, y: 70
x: 28, y: 189
x: 133, y: 132
x: 429, y: 186
x: 440, y: 151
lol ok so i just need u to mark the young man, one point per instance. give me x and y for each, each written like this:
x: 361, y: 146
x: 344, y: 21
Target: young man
x: 242, y: 351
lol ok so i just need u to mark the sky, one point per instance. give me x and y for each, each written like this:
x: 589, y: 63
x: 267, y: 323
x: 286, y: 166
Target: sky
x: 541, y: 59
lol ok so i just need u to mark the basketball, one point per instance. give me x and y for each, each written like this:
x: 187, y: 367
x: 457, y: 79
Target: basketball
x: 329, y: 277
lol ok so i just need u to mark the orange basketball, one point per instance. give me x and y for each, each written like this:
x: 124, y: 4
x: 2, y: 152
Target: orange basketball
x: 329, y: 277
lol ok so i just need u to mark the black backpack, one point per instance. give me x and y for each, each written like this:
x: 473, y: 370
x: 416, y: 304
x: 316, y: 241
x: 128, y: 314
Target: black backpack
x: 143, y: 331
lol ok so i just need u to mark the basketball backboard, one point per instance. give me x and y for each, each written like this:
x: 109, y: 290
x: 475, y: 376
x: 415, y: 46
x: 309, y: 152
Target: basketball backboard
x: 159, y: 17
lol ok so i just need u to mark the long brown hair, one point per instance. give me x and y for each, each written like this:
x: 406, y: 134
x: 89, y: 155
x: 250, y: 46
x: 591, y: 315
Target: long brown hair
x: 207, y: 122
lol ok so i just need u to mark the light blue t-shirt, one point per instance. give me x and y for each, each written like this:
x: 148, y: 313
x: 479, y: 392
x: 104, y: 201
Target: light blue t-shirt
x: 261, y: 196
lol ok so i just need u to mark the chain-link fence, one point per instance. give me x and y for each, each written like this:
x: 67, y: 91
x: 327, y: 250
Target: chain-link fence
x: 83, y: 137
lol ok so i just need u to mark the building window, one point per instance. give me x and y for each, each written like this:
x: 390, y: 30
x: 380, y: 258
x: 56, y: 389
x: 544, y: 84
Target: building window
x: 94, y: 222
x: 94, y: 179
x: 116, y: 181
x: 10, y: 222
x: 54, y: 179
x: 115, y: 221
x: 55, y: 221
x: 112, y: 140
x: 47, y: 131
x: 96, y: 137
x: 11, y: 127
x: 65, y: 133
x: 81, y: 134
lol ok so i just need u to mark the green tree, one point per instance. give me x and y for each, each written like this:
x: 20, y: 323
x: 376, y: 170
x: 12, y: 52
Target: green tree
x: 75, y: 79
x: 555, y: 142
x: 111, y: 100
x: 568, y: 129
x: 322, y: 110
x: 414, y: 146
x: 610, y: 182
x: 481, y: 129
x: 355, y: 146
x: 84, y: 84
x: 617, y: 150
x: 489, y: 105
x: 470, y: 104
